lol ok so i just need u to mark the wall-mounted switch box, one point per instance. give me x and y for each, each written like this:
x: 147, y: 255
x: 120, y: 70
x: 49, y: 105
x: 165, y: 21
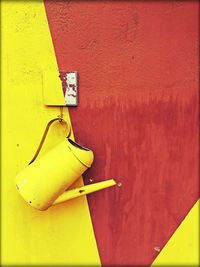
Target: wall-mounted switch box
x: 71, y: 88
x: 60, y: 90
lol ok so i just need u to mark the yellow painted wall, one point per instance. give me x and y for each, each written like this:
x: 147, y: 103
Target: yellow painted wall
x: 64, y: 233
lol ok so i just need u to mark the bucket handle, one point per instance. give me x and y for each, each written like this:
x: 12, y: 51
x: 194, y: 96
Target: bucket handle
x: 45, y: 135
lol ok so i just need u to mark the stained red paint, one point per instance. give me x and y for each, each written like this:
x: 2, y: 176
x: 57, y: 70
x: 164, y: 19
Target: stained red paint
x: 138, y: 110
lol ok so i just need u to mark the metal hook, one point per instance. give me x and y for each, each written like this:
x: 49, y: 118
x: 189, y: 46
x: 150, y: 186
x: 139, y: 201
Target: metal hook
x: 61, y: 114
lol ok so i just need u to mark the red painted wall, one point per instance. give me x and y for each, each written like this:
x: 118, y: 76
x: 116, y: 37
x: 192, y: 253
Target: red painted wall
x: 138, y: 110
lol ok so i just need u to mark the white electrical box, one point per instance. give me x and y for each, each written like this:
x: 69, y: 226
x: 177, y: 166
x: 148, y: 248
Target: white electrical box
x: 71, y: 89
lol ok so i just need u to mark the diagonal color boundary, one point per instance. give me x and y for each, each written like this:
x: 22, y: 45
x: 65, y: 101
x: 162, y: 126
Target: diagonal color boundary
x: 183, y: 247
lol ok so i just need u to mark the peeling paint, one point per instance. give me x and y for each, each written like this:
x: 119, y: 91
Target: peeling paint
x: 70, y: 87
